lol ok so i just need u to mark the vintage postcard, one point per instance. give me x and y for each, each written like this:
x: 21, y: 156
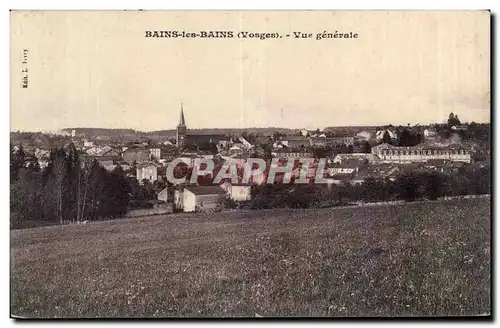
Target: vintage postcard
x: 173, y: 164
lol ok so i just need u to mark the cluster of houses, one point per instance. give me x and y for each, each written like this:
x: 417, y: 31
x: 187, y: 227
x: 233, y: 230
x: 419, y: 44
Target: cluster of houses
x: 346, y: 163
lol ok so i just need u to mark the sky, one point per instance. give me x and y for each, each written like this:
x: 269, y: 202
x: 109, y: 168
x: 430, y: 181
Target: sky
x: 97, y: 69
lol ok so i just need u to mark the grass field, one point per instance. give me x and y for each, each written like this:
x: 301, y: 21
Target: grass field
x: 429, y: 258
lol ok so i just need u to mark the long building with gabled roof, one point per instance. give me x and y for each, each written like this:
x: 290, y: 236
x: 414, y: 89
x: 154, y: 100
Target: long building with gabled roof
x: 422, y: 153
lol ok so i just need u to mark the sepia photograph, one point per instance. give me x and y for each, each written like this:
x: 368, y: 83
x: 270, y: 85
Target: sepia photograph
x: 250, y: 164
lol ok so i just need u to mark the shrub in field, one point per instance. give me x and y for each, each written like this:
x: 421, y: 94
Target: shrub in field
x: 224, y: 201
x: 408, y: 186
x: 434, y: 185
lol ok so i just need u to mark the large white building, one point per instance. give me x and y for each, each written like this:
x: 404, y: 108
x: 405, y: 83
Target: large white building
x: 421, y: 153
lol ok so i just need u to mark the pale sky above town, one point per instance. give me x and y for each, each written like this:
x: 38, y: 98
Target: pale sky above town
x: 97, y: 69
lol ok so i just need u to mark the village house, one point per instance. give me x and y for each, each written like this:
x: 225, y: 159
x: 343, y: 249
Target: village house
x: 294, y: 142
x: 155, y: 153
x: 460, y: 127
x: 43, y: 157
x: 201, y: 198
x: 305, y: 132
x: 123, y: 164
x: 421, y: 153
x: 310, y: 133
x: 377, y: 172
x: 366, y: 135
x: 443, y: 166
x: 338, y: 141
x: 147, y: 171
x: 107, y: 156
x: 237, y: 160
x: 246, y: 144
x: 102, y: 151
x: 430, y: 132
x: 163, y: 195
x: 136, y: 154
x: 236, y: 150
x: 339, y: 179
x: 238, y: 192
x: 109, y: 162
x: 263, y: 140
x: 168, y: 152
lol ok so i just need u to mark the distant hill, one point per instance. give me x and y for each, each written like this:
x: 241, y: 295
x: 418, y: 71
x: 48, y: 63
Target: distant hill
x: 95, y: 132
x: 163, y: 134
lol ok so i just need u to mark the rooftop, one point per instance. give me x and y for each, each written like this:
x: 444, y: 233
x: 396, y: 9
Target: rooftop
x: 145, y: 164
x: 205, y: 190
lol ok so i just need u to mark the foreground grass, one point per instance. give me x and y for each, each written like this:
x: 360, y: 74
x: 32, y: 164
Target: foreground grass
x: 428, y: 258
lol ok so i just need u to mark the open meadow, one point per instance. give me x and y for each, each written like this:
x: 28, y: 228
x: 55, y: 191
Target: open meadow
x: 422, y: 258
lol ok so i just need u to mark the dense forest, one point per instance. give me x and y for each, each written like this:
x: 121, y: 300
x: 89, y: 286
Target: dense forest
x: 69, y: 189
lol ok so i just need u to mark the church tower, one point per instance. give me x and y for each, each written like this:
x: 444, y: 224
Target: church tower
x: 181, y: 130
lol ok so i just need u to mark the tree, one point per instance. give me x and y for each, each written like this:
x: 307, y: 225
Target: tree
x: 224, y: 201
x: 371, y: 189
x: 56, y: 188
x: 433, y: 185
x: 319, y: 152
x: 73, y: 182
x: 303, y: 196
x: 120, y: 192
x: 88, y: 183
x: 343, y: 149
x: 453, y: 120
x: 407, y: 186
x: 267, y: 151
x: 404, y: 138
x: 386, y: 138
x: 213, y: 148
x: 17, y: 159
x: 147, y: 190
x: 33, y: 165
x: 342, y: 193
x: 277, y: 135
x: 365, y: 147
x: 159, y: 185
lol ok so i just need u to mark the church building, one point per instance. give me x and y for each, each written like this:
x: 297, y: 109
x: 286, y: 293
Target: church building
x: 199, y: 141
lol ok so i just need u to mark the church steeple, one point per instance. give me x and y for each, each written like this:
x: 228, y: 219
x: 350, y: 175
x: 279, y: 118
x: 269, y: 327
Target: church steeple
x: 181, y: 129
x: 182, y: 121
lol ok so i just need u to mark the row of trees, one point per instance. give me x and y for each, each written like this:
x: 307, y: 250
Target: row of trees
x: 409, y: 186
x: 406, y: 138
x: 68, y: 189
